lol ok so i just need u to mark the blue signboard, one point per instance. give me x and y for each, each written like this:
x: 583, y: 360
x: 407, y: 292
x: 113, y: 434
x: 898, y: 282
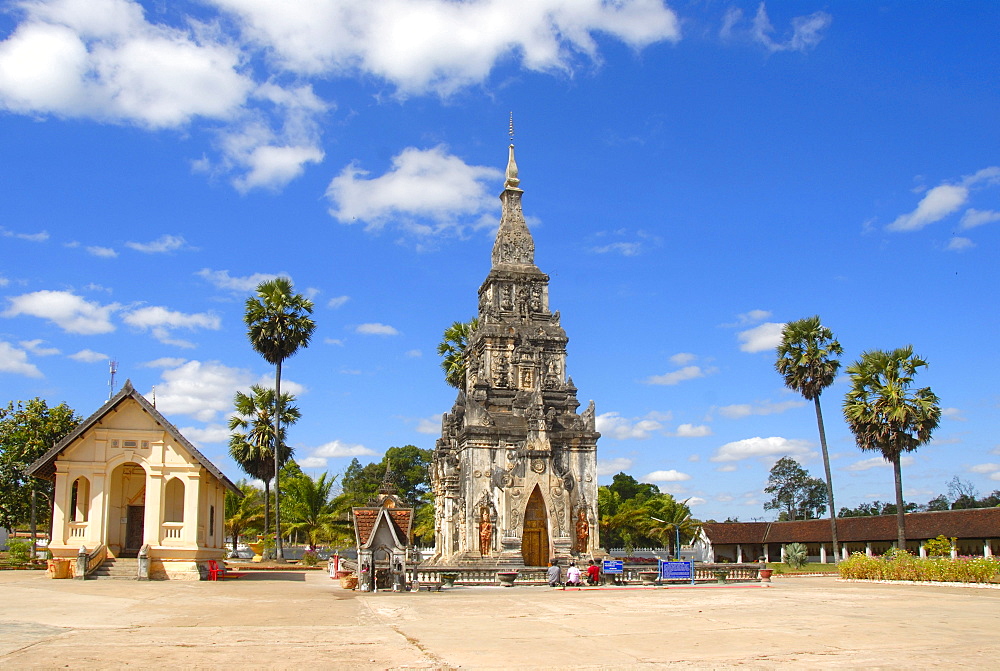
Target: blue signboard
x: 677, y: 570
x: 614, y: 566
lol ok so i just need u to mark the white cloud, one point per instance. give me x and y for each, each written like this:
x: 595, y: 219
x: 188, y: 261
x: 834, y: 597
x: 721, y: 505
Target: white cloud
x: 750, y: 448
x: 41, y: 236
x: 164, y: 243
x: 442, y: 46
x: 70, y: 312
x: 806, y: 30
x: 35, y: 347
x: 959, y: 244
x: 877, y: 462
x: 413, y: 354
x: 620, y: 428
x: 317, y: 457
x: 222, y: 280
x: 753, y: 316
x: 164, y: 362
x: 726, y: 468
x: 694, y: 501
x: 613, y: 466
x: 101, y: 59
x: 682, y: 358
x: 102, y: 252
x: 89, y: 356
x: 212, y: 433
x: 430, y: 425
x: 161, y: 322
x: 953, y: 413
x: 200, y: 390
x: 14, y: 360
x: 337, y: 301
x: 272, y: 167
x: 984, y: 468
x: 946, y: 198
x: 376, y: 329
x: 333, y: 341
x: 760, y: 338
x: 681, y: 375
x: 623, y: 248
x: 741, y: 410
x: 692, y: 431
x: 666, y: 476
x: 973, y: 218
x: 427, y: 184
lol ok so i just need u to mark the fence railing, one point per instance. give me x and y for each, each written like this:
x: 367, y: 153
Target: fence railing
x: 87, y: 563
x: 537, y: 576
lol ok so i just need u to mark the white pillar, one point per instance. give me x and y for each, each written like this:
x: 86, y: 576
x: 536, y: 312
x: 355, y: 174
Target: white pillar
x: 987, y: 550
x: 739, y: 553
x: 954, y: 552
x: 153, y: 518
x: 62, y: 495
x: 782, y: 554
x: 822, y: 553
x: 923, y: 551
x: 843, y: 551
x: 868, y: 548
x: 189, y: 534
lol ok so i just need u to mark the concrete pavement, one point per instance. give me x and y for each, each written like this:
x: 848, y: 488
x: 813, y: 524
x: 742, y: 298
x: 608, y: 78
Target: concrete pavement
x: 296, y: 620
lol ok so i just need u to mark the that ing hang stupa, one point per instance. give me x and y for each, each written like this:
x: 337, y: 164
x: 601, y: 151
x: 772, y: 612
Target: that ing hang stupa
x: 515, y: 470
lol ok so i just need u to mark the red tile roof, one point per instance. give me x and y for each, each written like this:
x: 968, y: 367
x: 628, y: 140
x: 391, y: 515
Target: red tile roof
x: 971, y: 523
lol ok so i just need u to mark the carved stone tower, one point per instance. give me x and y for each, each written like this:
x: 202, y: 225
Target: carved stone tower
x: 515, y: 469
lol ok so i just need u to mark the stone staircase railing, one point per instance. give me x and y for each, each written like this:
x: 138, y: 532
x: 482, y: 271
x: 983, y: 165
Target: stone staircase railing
x: 87, y: 563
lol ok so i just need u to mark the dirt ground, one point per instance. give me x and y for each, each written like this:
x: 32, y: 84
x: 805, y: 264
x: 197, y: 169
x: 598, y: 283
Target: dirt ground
x: 304, y: 620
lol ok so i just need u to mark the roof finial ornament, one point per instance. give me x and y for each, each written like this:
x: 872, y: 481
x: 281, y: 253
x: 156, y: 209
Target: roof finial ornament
x: 512, y: 180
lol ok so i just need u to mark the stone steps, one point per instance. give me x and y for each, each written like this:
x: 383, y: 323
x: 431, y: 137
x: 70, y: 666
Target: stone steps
x: 116, y: 569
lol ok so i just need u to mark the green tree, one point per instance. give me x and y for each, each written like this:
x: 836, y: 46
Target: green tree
x: 887, y: 415
x: 28, y: 429
x: 310, y: 509
x: 251, y: 443
x: 794, y: 492
x: 671, y: 522
x: 410, y: 473
x: 244, y: 514
x: 806, y: 359
x: 628, y: 487
x: 452, y: 350
x: 876, y: 508
x: 278, y: 325
x: 796, y: 555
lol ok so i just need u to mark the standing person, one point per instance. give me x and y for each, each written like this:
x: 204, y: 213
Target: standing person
x: 573, y: 575
x: 553, y: 573
x: 593, y: 574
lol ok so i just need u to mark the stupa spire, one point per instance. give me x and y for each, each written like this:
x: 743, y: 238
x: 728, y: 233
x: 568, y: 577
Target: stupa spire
x: 513, y: 246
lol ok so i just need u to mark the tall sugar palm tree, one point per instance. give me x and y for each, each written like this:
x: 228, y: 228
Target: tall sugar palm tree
x: 452, y: 351
x: 807, y: 362
x: 278, y: 325
x: 887, y: 415
x: 243, y: 513
x: 251, y: 443
x: 673, y: 522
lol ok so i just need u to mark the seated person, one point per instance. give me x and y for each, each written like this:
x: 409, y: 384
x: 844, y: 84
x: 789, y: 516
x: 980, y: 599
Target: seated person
x: 593, y: 574
x: 553, y: 573
x: 573, y: 575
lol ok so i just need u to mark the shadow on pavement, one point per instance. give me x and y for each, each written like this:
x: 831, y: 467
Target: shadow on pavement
x: 294, y: 576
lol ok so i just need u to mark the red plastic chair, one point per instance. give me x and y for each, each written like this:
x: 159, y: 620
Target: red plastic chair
x: 214, y: 572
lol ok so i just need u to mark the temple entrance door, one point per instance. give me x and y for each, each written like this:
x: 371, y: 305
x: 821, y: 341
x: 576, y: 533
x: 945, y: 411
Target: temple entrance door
x: 535, y: 535
x: 134, y: 530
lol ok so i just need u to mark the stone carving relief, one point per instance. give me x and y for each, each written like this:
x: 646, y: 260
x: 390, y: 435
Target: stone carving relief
x: 538, y: 465
x: 501, y: 370
x: 582, y: 531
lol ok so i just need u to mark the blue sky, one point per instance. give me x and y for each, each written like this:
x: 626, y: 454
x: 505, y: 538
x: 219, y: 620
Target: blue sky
x: 695, y: 174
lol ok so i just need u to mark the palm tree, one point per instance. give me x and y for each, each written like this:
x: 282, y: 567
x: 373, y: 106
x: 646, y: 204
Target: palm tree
x: 243, y: 513
x: 806, y: 361
x: 674, y: 522
x: 251, y: 444
x: 452, y: 349
x: 310, y: 509
x: 278, y: 324
x: 886, y: 415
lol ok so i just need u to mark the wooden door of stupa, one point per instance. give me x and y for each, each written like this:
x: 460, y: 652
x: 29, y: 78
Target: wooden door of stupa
x: 535, y: 535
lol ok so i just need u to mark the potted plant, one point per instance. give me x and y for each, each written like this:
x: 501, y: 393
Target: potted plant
x: 649, y: 578
x: 448, y: 579
x: 721, y: 575
x: 506, y: 578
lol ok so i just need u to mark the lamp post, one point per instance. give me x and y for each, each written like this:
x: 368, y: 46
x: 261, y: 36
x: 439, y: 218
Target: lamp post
x: 677, y: 532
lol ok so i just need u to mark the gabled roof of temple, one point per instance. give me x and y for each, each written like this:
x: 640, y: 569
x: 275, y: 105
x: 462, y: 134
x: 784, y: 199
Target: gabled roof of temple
x: 44, y: 466
x: 367, y: 520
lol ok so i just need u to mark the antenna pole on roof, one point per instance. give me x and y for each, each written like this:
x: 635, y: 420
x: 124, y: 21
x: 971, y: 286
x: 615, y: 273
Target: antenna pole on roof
x: 113, y: 365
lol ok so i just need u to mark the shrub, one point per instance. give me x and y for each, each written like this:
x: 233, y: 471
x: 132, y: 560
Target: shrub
x: 796, y: 555
x: 310, y: 558
x: 19, y: 552
x: 901, y: 565
x: 940, y: 546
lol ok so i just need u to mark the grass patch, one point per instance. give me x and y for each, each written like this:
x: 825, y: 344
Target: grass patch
x: 810, y: 567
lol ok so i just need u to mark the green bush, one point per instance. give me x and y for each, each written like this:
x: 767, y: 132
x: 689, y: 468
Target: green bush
x: 901, y: 565
x: 19, y: 552
x: 796, y: 555
x: 940, y: 546
x: 310, y: 558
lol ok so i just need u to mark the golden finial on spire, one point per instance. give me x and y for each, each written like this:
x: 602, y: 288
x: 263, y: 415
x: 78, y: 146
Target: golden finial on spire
x: 512, y: 180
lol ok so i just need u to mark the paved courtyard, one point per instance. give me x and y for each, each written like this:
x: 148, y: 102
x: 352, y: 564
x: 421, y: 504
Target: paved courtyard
x: 304, y: 620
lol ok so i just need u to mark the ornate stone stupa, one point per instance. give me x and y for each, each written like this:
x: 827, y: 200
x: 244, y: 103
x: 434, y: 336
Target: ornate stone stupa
x: 515, y: 469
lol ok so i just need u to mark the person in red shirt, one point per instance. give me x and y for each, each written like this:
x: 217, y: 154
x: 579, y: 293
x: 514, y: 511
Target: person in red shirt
x: 593, y: 573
